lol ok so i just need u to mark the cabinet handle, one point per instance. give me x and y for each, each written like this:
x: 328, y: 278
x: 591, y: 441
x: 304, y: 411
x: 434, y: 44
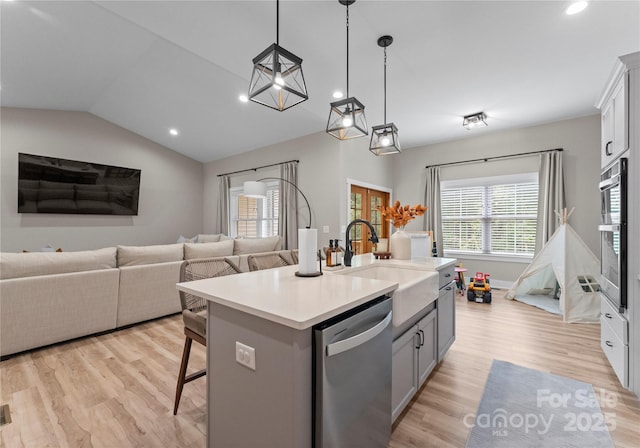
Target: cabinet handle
x: 418, y: 334
x: 606, y: 149
x: 447, y: 275
x: 421, y: 338
x: 607, y: 315
x: 609, y: 344
x: 448, y: 288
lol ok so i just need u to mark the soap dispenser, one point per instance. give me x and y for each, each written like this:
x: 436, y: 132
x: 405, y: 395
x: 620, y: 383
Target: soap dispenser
x: 338, y: 253
x: 331, y: 255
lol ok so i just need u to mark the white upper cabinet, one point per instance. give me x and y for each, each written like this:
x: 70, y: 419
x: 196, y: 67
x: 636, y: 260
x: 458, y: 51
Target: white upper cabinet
x: 615, y: 122
x: 614, y: 107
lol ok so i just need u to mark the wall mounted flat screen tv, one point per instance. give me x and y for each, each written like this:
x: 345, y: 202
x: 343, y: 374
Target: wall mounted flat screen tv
x: 53, y: 185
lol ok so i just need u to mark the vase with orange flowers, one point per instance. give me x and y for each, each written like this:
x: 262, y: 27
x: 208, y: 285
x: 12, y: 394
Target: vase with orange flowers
x: 399, y: 215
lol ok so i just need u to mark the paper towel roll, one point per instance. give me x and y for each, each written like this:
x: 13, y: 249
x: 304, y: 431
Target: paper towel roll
x: 308, y: 251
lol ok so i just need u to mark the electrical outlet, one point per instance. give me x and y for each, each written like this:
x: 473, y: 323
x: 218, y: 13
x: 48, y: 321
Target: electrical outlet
x: 343, y: 229
x: 325, y: 229
x: 246, y: 355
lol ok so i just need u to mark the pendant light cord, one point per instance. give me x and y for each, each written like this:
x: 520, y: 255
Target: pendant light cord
x: 385, y: 85
x: 278, y: 22
x: 347, y: 50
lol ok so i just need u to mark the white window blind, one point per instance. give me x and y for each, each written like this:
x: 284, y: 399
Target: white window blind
x: 254, y: 217
x: 490, y: 216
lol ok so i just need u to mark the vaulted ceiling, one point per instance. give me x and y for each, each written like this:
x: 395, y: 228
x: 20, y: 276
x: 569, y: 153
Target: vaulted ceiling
x: 148, y: 66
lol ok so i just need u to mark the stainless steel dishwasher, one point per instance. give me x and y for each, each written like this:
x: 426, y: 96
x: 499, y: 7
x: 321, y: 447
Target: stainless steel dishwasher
x: 352, y: 378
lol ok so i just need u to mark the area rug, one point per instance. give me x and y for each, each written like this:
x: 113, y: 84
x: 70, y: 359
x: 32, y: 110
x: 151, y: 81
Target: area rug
x: 527, y: 408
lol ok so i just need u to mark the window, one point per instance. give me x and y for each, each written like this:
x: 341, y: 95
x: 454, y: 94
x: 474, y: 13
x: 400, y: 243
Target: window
x: 493, y: 215
x: 254, y: 217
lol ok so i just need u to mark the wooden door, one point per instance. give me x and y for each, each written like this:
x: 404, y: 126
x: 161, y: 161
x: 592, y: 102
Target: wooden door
x: 363, y: 206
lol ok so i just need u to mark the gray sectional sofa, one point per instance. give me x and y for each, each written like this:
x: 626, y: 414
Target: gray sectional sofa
x: 49, y: 297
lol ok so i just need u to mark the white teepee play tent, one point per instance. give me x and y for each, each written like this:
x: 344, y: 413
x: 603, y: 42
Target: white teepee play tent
x: 567, y: 260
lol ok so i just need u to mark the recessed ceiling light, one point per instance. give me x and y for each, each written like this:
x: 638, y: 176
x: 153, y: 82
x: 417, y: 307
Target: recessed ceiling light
x: 173, y: 131
x: 576, y: 7
x: 338, y: 94
x: 243, y: 98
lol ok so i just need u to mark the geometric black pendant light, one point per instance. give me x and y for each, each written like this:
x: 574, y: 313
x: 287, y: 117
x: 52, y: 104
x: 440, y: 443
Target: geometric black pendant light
x: 384, y: 137
x: 346, y: 117
x: 277, y: 80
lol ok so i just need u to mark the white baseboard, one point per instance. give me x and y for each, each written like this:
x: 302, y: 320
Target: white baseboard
x: 501, y: 284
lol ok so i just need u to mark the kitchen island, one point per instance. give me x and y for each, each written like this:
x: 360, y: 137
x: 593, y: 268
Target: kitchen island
x: 266, y: 399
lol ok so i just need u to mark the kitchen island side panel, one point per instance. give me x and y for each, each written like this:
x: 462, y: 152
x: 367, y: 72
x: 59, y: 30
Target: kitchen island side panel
x: 271, y: 406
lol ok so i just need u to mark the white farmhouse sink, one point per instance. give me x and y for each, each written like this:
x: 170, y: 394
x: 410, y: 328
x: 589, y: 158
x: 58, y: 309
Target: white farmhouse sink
x: 416, y: 287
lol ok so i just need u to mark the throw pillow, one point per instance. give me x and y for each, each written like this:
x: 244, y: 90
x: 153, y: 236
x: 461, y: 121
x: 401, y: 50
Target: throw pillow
x: 208, y: 250
x: 256, y: 245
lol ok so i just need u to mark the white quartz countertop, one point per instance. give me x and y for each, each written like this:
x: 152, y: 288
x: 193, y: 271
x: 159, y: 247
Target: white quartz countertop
x: 280, y: 296
x: 429, y: 264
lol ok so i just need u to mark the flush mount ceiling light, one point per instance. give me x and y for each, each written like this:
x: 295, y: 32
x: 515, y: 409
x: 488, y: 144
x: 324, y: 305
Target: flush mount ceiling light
x: 384, y: 137
x: 277, y: 80
x: 346, y: 117
x: 474, y: 121
x: 576, y: 7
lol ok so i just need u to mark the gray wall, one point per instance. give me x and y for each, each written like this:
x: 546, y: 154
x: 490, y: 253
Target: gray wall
x: 580, y: 139
x: 325, y: 165
x: 171, y: 195
x: 173, y: 200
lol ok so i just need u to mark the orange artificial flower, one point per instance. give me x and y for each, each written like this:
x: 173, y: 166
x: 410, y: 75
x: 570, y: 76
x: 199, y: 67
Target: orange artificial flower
x: 399, y: 214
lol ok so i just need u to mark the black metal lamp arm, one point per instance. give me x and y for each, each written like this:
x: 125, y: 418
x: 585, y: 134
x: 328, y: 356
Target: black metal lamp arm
x: 299, y: 191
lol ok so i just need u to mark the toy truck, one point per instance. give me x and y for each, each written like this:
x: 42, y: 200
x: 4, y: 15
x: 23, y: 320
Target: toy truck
x: 479, y: 289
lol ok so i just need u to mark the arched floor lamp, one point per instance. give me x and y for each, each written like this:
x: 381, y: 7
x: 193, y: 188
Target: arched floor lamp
x: 307, y: 237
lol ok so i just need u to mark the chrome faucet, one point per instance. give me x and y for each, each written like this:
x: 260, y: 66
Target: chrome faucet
x: 348, y: 254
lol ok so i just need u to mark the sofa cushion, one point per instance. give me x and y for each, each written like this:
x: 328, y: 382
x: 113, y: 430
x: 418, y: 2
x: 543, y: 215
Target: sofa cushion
x: 137, y: 255
x: 208, y: 238
x: 211, y: 237
x: 208, y: 250
x: 243, y: 246
x: 32, y: 264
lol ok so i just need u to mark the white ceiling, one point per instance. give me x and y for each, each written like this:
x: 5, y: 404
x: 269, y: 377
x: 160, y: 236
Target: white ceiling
x: 151, y: 65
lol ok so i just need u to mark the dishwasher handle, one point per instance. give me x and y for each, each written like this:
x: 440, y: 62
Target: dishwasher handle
x: 360, y: 338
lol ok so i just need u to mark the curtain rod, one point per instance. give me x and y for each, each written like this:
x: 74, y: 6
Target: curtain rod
x: 484, y: 159
x: 257, y: 168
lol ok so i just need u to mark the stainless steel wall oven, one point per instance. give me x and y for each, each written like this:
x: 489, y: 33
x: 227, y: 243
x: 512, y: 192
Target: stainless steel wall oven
x: 613, y: 233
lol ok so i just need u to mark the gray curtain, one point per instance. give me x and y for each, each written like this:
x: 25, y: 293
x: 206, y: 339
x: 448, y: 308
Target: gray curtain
x: 432, y: 218
x: 550, y: 196
x: 288, y: 215
x: 223, y: 204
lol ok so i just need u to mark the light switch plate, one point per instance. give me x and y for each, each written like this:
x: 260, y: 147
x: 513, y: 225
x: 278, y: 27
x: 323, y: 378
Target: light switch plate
x: 246, y: 355
x: 325, y: 229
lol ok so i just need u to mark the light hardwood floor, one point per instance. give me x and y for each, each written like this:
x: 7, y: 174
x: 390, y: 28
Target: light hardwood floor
x: 117, y: 390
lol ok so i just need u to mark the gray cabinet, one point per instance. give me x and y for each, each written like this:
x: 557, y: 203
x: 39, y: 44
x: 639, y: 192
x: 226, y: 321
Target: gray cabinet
x: 614, y: 339
x: 414, y: 357
x: 446, y: 319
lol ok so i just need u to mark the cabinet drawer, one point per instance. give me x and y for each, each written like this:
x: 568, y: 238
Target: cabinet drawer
x: 447, y: 275
x: 617, y: 352
x: 616, y: 321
